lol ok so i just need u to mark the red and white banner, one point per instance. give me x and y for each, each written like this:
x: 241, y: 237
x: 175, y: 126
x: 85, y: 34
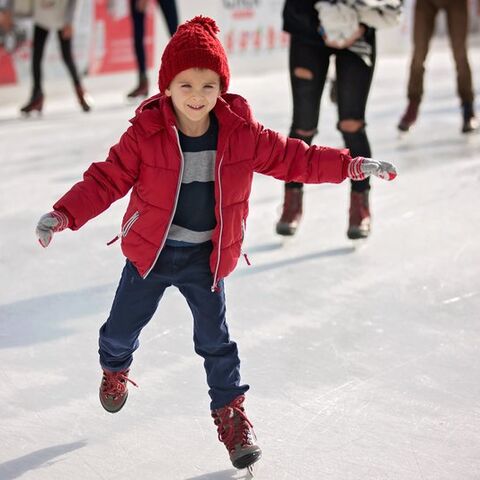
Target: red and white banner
x: 252, y: 26
x: 112, y: 46
x: 103, y: 43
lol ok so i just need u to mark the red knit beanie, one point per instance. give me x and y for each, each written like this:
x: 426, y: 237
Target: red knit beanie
x: 194, y: 45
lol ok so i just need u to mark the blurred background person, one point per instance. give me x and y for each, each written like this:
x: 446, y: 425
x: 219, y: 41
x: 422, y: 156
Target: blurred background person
x: 423, y: 28
x: 137, y: 13
x: 320, y: 29
x: 6, y: 21
x: 53, y: 15
x: 11, y: 35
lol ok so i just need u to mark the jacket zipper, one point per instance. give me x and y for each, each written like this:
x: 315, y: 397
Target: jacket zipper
x: 126, y: 227
x: 182, y: 166
x: 215, y: 279
x: 129, y: 223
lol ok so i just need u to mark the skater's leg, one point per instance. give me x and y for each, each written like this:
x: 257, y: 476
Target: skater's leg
x: 138, y: 23
x: 134, y: 305
x: 210, y: 331
x: 423, y: 27
x: 457, y: 19
x: 35, y: 102
x: 169, y: 10
x: 308, y: 64
x: 40, y: 36
x: 354, y: 77
x: 66, y: 49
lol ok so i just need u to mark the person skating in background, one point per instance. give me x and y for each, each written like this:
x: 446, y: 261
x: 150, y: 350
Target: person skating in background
x: 137, y: 14
x: 346, y: 30
x: 189, y: 156
x: 423, y: 28
x: 53, y: 15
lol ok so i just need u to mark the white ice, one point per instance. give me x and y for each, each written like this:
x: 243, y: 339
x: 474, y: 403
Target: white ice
x: 363, y: 360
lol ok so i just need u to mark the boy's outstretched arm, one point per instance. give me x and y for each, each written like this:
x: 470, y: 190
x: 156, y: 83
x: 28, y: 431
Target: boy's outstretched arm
x: 102, y: 184
x: 292, y: 160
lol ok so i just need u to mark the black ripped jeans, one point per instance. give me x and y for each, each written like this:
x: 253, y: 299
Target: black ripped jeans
x: 354, y: 78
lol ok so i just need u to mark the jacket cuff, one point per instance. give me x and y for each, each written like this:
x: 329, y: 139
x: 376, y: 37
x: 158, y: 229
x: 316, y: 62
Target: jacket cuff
x: 70, y: 219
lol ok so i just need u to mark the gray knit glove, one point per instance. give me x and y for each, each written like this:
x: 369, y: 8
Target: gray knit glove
x: 360, y: 168
x: 51, y: 223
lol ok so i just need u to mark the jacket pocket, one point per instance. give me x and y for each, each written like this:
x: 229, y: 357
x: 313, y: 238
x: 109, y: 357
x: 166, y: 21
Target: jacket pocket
x: 129, y: 223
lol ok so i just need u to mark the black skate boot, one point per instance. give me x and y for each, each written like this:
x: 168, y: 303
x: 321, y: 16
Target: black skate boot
x: 35, y: 104
x: 292, y: 212
x: 359, y: 215
x: 141, y: 90
x: 113, y: 390
x: 470, y: 123
x: 409, y: 117
x: 236, y: 432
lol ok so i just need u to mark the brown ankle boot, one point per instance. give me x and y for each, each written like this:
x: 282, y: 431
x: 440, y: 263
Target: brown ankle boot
x: 409, y: 117
x: 359, y: 215
x: 291, y: 213
x: 141, y: 90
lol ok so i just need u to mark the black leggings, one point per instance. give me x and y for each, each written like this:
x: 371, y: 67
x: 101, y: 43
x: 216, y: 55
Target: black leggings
x: 354, y: 78
x: 169, y: 10
x: 39, y: 38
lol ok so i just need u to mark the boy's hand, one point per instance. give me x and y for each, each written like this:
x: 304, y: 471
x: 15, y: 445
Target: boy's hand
x: 49, y: 224
x: 360, y: 168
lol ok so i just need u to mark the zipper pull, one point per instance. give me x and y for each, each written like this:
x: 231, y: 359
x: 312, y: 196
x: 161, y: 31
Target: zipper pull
x: 246, y: 258
x: 113, y: 240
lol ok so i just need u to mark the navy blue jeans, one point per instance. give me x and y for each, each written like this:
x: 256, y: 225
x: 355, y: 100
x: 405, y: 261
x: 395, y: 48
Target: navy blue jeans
x: 136, y: 300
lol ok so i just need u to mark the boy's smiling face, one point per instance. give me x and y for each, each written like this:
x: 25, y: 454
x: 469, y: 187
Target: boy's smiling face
x: 194, y: 93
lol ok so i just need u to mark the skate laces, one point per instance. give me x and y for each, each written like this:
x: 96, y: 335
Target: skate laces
x: 115, y: 383
x: 233, y: 426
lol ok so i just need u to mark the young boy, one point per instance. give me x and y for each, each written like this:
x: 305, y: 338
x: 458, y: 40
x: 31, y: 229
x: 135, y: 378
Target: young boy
x: 189, y: 158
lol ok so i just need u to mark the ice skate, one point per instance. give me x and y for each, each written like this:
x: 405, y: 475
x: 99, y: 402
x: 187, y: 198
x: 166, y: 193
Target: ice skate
x: 34, y: 105
x: 409, y: 117
x: 470, y: 122
x: 359, y: 216
x: 291, y: 213
x: 84, y: 99
x: 113, y: 390
x: 235, y: 431
x: 140, y: 91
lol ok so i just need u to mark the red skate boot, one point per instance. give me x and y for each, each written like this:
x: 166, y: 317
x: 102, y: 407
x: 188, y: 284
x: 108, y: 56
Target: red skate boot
x: 236, y: 432
x: 113, y: 390
x: 291, y: 213
x: 35, y: 104
x: 359, y: 215
x: 409, y: 117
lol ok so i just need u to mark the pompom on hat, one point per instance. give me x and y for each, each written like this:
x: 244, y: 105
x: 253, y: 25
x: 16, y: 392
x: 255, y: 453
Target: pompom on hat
x: 194, y: 45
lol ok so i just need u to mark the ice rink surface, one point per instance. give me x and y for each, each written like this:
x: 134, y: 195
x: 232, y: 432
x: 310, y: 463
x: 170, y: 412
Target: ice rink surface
x: 363, y: 360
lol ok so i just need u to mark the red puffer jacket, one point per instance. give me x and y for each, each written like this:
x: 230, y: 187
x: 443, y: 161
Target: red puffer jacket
x: 149, y: 159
